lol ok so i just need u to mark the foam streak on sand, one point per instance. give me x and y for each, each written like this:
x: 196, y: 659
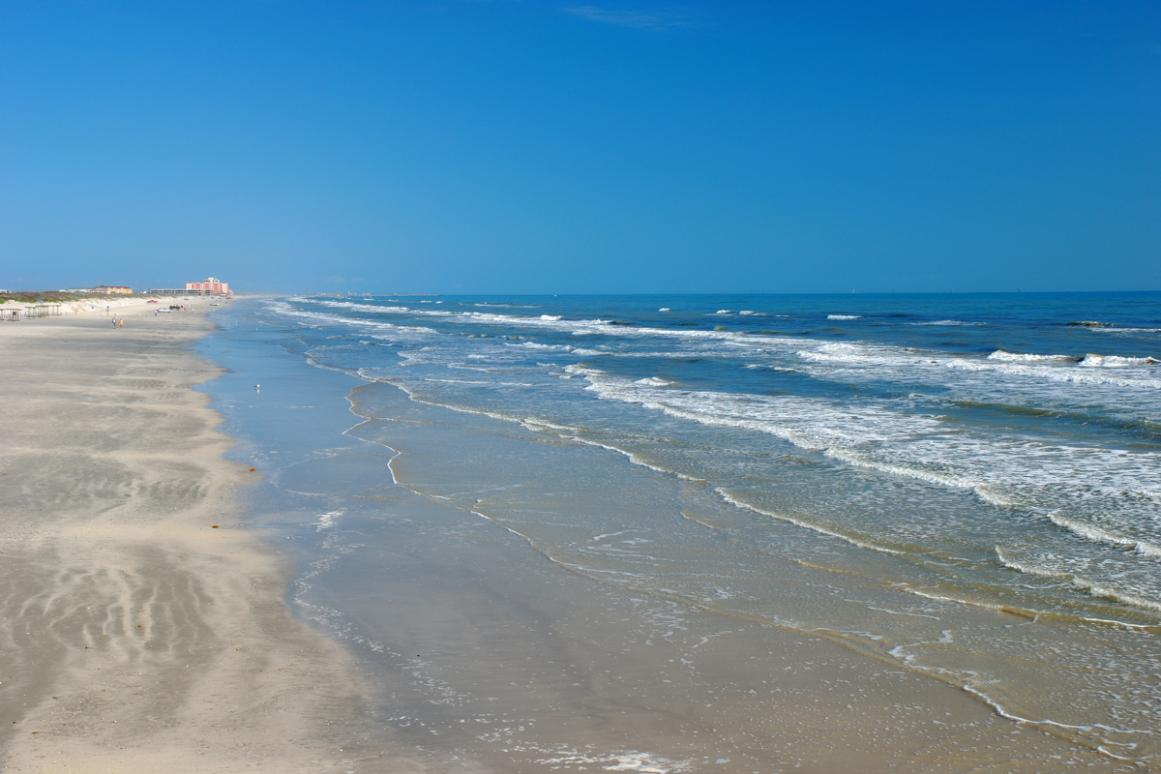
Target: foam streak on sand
x: 133, y: 634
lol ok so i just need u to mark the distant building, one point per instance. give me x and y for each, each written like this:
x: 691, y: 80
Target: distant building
x: 113, y: 290
x: 212, y: 286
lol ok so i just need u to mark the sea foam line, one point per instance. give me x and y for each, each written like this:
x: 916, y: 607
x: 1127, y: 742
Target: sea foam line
x: 645, y: 398
x: 1092, y: 370
x: 576, y: 327
x: 1030, y: 614
x: 1093, y: 734
x: 1030, y: 365
x: 1096, y: 534
x: 534, y: 424
x: 1080, y: 583
x: 859, y: 436
x: 722, y: 493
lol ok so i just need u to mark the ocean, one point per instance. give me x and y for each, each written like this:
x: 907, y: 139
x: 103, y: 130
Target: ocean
x: 954, y: 490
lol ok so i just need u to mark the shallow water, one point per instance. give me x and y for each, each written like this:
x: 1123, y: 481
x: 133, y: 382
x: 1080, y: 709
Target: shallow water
x: 960, y: 490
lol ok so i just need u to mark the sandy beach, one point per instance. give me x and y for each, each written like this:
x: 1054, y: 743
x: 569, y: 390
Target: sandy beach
x: 145, y: 626
x: 140, y: 628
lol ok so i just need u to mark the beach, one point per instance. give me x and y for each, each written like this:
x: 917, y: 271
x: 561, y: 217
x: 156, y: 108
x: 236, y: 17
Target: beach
x: 230, y: 543
x: 500, y: 387
x: 143, y: 627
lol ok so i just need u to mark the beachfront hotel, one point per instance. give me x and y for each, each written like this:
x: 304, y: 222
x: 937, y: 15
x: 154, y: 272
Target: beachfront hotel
x: 211, y: 286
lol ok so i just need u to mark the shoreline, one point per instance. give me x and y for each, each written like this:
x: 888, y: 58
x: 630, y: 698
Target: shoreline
x: 444, y: 575
x: 137, y: 634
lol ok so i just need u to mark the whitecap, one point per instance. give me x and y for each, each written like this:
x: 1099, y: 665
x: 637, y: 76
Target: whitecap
x: 1116, y: 361
x: 542, y: 347
x: 1019, y: 357
x: 1118, y: 329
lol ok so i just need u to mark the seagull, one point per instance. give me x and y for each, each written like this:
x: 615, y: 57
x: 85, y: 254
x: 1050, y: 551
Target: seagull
x: 257, y: 388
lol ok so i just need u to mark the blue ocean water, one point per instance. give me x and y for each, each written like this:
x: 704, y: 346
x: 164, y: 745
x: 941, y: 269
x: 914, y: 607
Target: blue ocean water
x: 966, y: 485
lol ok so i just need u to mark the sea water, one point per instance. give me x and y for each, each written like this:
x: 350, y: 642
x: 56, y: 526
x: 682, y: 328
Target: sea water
x: 965, y: 488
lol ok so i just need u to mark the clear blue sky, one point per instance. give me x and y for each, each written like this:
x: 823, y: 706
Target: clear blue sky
x: 582, y: 146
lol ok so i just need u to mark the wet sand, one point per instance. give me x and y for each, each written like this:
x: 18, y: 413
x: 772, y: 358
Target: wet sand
x: 134, y: 633
x: 555, y: 669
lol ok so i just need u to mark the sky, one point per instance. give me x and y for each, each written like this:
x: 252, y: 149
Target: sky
x: 573, y: 146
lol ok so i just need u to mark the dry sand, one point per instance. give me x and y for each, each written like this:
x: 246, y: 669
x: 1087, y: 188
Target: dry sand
x: 135, y: 636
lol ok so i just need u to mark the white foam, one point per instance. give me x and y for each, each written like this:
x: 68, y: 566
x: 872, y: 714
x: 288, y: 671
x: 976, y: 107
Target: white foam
x: 1116, y: 329
x: 535, y: 424
x: 555, y: 322
x: 1005, y: 471
x: 1116, y: 361
x: 633, y: 458
x: 285, y: 309
x: 1098, y: 535
x: 586, y: 327
x: 1080, y: 583
x: 632, y: 760
x: 373, y: 308
x: 1116, y: 488
x: 486, y: 304
x: 327, y: 520
x: 810, y: 423
x: 664, y: 309
x: 843, y: 316
x: 1019, y: 357
x: 804, y: 524
x: 870, y: 361
x: 543, y: 347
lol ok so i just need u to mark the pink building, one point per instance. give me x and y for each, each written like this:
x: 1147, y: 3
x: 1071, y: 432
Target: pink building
x: 211, y: 286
